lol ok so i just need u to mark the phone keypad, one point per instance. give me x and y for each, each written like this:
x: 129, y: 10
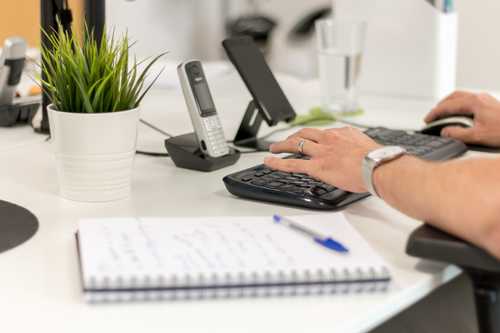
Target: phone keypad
x: 216, y: 138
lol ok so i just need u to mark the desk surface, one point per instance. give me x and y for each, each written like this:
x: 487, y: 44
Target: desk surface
x: 39, y: 281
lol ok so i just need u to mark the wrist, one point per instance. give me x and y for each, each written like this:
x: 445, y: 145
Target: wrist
x: 374, y: 160
x: 388, y: 173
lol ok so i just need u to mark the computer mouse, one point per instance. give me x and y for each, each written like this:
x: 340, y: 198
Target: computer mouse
x: 435, y: 127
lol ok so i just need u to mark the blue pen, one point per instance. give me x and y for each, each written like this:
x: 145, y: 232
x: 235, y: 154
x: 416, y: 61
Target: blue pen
x: 325, y: 241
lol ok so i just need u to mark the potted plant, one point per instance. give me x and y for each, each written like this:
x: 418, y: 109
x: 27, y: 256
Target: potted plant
x: 95, y: 95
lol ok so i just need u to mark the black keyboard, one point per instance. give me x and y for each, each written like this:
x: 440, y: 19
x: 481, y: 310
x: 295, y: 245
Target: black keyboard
x: 263, y: 184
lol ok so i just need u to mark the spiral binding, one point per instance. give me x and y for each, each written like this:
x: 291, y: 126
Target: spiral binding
x: 237, y: 285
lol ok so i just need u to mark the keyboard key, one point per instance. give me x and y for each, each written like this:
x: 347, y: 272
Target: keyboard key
x: 290, y: 188
x: 435, y: 144
x: 246, y: 175
x: 258, y: 182
x: 274, y: 184
x: 329, y: 188
x: 282, y: 174
x: 300, y: 175
x: 319, y: 191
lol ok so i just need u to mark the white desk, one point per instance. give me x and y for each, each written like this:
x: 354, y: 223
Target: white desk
x: 39, y: 281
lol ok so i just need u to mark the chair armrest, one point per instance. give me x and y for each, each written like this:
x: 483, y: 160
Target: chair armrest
x: 430, y: 243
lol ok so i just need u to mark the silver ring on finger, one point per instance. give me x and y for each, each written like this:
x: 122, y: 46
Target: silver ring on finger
x: 300, y: 146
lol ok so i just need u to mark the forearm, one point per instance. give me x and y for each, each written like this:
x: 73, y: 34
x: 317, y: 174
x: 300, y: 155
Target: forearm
x: 461, y: 197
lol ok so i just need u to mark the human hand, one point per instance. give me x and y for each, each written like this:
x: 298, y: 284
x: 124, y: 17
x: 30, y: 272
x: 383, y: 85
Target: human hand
x: 483, y: 107
x: 336, y: 156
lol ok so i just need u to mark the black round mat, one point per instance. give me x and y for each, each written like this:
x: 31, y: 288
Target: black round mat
x: 17, y: 225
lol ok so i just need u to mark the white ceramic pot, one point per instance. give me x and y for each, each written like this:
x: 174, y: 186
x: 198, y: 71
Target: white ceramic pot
x: 94, y: 153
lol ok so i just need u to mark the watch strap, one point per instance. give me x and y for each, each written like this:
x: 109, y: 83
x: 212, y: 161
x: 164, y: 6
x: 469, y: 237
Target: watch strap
x: 376, y: 158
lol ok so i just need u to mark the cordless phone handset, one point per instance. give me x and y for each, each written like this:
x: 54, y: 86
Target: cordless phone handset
x: 202, y: 109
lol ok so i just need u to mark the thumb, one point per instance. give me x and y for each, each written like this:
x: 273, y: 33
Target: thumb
x: 459, y: 133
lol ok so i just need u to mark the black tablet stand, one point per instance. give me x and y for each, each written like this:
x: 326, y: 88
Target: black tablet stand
x: 249, y: 128
x: 186, y: 153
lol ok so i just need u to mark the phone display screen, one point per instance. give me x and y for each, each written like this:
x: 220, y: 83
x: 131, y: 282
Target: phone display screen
x: 204, y: 99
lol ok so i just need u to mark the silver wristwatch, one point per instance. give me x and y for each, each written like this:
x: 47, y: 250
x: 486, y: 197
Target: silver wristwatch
x: 375, y: 158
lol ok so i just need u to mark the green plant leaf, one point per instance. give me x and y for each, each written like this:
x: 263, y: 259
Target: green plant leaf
x: 87, y: 76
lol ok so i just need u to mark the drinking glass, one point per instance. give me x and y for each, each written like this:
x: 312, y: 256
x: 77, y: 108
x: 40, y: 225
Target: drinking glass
x: 340, y: 49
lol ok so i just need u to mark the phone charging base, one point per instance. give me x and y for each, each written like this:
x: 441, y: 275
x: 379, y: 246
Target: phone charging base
x: 186, y: 153
x: 18, y: 113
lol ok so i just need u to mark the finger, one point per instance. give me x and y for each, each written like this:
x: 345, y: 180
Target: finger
x: 288, y: 165
x: 312, y: 134
x: 345, y: 130
x: 457, y: 106
x: 452, y: 96
x: 456, y: 94
x: 291, y: 145
x: 466, y: 135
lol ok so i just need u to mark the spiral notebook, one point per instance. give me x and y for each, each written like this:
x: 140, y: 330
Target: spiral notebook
x: 129, y: 259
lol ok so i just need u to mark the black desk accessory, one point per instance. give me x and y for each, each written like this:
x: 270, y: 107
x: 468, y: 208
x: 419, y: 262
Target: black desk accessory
x: 17, y: 225
x: 186, y: 153
x: 258, y: 27
x: 246, y: 136
x: 484, y: 270
x: 12, y: 62
x: 304, y: 28
x: 263, y: 184
x: 18, y: 113
x: 269, y: 102
x: 52, y: 11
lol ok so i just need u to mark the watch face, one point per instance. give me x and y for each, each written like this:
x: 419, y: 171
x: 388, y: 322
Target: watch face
x: 385, y: 153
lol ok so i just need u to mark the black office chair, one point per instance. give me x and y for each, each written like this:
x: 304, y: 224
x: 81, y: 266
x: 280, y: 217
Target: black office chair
x: 483, y: 269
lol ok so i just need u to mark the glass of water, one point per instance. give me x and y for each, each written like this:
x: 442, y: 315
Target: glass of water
x: 340, y: 48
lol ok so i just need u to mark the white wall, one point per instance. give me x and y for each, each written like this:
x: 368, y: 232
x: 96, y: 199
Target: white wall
x: 194, y: 28
x: 479, y: 44
x: 185, y: 28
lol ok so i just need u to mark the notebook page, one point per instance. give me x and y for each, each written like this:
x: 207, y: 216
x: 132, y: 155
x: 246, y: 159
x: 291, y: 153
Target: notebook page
x: 187, y: 247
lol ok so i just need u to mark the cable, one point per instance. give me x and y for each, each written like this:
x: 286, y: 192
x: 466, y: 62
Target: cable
x: 153, y: 127
x: 152, y: 154
x: 252, y: 152
x: 159, y: 130
x: 354, y: 124
x: 284, y: 129
x: 351, y: 123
